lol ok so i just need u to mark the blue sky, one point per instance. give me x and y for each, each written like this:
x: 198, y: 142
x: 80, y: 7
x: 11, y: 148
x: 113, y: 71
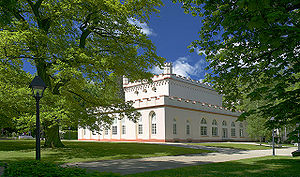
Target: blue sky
x: 172, y: 31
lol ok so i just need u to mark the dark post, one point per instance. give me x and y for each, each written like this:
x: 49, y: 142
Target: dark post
x: 273, y: 146
x: 298, y: 137
x: 38, y: 87
x: 38, y: 141
x: 69, y: 133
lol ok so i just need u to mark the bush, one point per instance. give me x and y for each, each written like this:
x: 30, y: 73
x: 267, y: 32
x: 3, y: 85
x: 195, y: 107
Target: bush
x: 38, y: 168
x: 296, y: 153
x: 70, y: 135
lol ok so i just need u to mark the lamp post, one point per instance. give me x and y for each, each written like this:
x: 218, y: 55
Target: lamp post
x: 273, y: 145
x: 38, y: 87
x: 298, y: 137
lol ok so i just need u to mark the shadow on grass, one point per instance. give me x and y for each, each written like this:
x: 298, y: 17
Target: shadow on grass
x: 75, y: 151
x: 264, y: 166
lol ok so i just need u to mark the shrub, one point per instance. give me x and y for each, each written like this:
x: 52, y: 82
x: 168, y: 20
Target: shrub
x: 296, y: 153
x: 69, y: 135
x: 38, y: 168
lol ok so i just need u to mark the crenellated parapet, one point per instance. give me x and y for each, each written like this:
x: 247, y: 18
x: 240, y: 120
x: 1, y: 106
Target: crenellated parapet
x: 160, y: 77
x: 177, y: 102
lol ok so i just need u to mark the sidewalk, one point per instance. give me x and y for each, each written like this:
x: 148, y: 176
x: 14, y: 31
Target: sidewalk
x: 130, y: 166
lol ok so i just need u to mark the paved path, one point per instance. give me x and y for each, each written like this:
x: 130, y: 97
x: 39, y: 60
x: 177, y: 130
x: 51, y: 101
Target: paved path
x: 130, y: 166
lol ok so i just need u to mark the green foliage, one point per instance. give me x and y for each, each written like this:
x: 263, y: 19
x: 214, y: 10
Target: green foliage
x: 38, y: 168
x: 70, y: 135
x: 81, y: 49
x: 296, y: 153
x: 253, y: 50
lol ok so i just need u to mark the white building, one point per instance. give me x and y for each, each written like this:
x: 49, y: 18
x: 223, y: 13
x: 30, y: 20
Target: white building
x: 173, y: 108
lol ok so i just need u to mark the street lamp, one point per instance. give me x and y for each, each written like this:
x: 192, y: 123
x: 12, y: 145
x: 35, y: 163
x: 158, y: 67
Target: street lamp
x: 273, y: 146
x: 298, y: 137
x: 38, y: 87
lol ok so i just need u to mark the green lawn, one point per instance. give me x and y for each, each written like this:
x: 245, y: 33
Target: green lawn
x: 262, y: 166
x: 234, y: 146
x: 76, y: 151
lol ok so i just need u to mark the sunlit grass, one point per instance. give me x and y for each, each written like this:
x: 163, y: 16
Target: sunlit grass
x: 76, y: 151
x: 262, y: 166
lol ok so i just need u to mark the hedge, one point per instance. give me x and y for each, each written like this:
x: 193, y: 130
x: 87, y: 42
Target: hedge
x: 39, y: 168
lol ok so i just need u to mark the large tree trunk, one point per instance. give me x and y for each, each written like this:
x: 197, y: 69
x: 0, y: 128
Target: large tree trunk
x: 52, y: 137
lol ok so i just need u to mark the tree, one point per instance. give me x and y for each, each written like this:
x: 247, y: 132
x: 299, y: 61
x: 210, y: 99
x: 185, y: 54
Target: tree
x: 251, y: 45
x: 256, y: 123
x: 78, y: 47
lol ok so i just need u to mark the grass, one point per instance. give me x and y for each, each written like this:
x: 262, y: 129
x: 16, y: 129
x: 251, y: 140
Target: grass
x: 233, y: 146
x: 76, y: 151
x: 261, y: 166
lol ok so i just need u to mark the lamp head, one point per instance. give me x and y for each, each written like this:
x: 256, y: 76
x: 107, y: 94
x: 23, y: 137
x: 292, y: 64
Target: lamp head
x: 38, y: 87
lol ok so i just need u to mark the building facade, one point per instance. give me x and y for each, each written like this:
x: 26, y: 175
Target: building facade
x: 173, y: 109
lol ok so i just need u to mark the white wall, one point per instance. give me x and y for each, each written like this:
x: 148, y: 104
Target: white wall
x: 194, y: 118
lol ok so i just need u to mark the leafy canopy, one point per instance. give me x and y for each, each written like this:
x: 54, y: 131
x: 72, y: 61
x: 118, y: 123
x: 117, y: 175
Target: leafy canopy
x: 253, y: 50
x: 81, y: 49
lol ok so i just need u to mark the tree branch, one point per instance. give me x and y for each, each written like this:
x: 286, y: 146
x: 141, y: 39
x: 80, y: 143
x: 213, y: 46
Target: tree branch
x: 79, y: 96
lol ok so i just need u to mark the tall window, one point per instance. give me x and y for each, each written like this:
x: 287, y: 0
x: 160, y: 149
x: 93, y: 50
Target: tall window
x: 233, y: 129
x: 188, y: 129
x: 115, y: 127
x: 140, y: 126
x: 84, y: 131
x: 214, y: 130
x: 106, y: 131
x: 123, y: 126
x: 203, y: 127
x: 153, y: 123
x: 174, y: 127
x: 241, y: 130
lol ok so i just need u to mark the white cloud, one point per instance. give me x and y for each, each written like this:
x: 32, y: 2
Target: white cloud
x: 157, y: 70
x: 182, y: 67
x: 202, y: 52
x: 144, y: 27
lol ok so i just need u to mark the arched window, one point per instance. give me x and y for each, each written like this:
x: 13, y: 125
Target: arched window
x: 140, y: 128
x: 188, y: 128
x: 203, y: 121
x: 203, y: 127
x: 224, y: 123
x: 115, y: 127
x: 233, y: 129
x: 214, y: 122
x: 241, y: 130
x: 123, y: 126
x: 232, y: 124
x: 214, y: 130
x: 153, y: 123
x: 174, y: 127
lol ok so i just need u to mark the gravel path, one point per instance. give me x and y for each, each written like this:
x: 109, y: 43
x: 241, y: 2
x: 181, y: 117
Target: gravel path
x: 130, y: 166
